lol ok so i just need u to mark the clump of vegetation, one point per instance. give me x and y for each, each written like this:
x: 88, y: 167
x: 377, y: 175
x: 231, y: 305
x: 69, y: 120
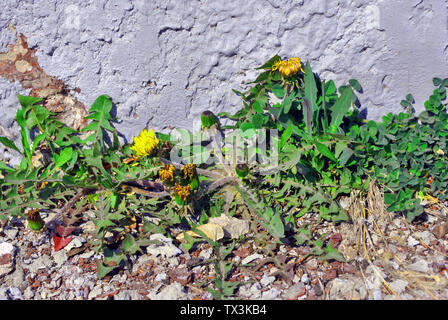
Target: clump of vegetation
x: 319, y: 150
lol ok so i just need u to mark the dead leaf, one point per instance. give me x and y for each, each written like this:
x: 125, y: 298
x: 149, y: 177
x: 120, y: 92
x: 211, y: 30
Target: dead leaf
x: 211, y: 230
x: 233, y: 227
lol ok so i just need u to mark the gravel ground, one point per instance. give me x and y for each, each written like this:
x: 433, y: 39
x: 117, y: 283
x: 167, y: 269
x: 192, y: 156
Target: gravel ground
x: 409, y: 263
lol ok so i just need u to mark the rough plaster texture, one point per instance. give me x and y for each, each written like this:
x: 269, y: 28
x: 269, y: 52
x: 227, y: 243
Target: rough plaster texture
x: 164, y: 62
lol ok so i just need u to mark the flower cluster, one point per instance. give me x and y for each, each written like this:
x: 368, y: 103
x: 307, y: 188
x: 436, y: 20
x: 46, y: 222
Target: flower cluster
x: 145, y: 143
x: 288, y: 67
x: 167, y: 174
x: 182, y: 194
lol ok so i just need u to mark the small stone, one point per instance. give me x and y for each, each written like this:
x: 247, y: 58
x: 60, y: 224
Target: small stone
x: 251, y: 258
x: 96, y: 291
x: 271, y: 294
x: 14, y: 293
x: 28, y: 294
x: 311, y: 264
x: 294, y: 291
x: 305, y: 278
x: 412, y: 241
x: 7, y: 263
x: 377, y: 294
x: 419, y: 266
x: 3, y: 293
x: 330, y: 274
x: 267, y: 280
x: 42, y: 262
x: 318, y: 291
x: 60, y: 257
x: 398, y: 286
x: 11, y: 233
x: 166, y: 249
x: 440, y: 230
x: 87, y: 255
x: 206, y: 254
x: 123, y: 295
x: 76, y: 242
x: 174, y: 291
x: 160, y: 277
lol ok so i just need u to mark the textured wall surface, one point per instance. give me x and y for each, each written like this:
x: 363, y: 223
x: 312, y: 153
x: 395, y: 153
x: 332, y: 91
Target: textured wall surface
x: 164, y: 62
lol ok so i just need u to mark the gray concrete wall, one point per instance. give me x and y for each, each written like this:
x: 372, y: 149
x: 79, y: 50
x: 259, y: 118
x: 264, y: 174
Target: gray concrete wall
x: 165, y: 61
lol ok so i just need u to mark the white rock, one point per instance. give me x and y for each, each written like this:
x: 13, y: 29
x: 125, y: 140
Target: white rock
x: 251, y: 258
x: 377, y: 294
x: 270, y: 294
x: 412, y: 241
x: 305, y: 278
x: 267, y: 280
x: 398, y: 286
x: 7, y: 251
x: 174, y: 291
x: 419, y: 266
x: 6, y: 248
x: 233, y: 227
x: 160, y: 277
x: 14, y: 293
x: 76, y: 242
x: 166, y: 249
x: 60, y: 257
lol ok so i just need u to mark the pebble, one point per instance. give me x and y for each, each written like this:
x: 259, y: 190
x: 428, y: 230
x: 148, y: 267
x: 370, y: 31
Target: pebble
x: 440, y: 230
x: 172, y: 292
x: 166, y: 249
x: 412, y: 241
x: 267, y: 280
x: 11, y: 233
x: 305, y: 278
x: 60, y: 257
x: 76, y: 242
x: 419, y: 266
x: 377, y: 294
x: 14, y: 293
x: 28, y: 294
x: 398, y: 286
x: 42, y: 262
x: 271, y: 294
x: 251, y: 258
x: 294, y: 291
x: 7, y: 252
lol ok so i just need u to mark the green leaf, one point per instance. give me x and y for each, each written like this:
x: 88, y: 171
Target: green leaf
x: 285, y: 136
x: 3, y: 166
x: 310, y: 88
x: 341, y: 107
x: 129, y: 244
x: 103, y: 270
x: 436, y: 81
x: 332, y: 254
x: 390, y: 198
x: 26, y: 101
x: 278, y: 90
x: 355, y: 84
x: 63, y: 158
x: 345, y: 156
x: 323, y: 149
x: 9, y: 144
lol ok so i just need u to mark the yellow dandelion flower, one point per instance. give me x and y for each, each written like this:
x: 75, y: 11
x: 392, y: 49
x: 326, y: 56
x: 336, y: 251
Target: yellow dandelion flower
x: 182, y: 194
x: 188, y: 170
x: 145, y: 143
x: 167, y: 173
x: 288, y: 67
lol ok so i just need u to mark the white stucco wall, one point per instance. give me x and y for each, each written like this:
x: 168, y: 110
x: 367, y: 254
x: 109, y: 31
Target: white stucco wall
x: 164, y: 62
